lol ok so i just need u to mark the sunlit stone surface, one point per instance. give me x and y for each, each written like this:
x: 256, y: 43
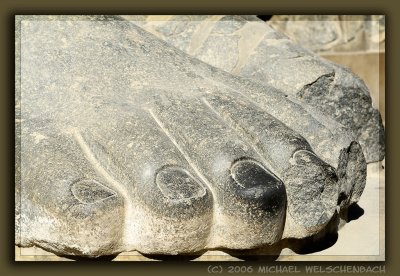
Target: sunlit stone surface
x: 126, y: 143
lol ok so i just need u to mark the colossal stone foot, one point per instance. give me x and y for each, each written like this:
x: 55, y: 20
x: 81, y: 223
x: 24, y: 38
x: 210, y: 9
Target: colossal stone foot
x: 130, y: 144
x: 248, y: 47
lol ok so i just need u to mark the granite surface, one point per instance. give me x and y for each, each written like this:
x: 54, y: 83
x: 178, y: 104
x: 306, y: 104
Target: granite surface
x: 124, y: 143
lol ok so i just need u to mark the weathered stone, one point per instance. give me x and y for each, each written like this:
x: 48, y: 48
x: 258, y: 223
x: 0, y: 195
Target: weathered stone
x: 126, y: 143
x: 254, y: 50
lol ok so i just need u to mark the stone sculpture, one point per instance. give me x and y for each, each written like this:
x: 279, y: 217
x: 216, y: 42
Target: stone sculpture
x: 248, y: 47
x: 126, y: 143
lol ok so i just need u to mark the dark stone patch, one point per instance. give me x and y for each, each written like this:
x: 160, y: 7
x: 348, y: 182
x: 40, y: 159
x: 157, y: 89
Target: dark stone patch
x: 259, y: 185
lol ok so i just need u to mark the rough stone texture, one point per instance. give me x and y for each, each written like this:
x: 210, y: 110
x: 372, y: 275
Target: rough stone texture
x: 333, y: 33
x: 252, y: 49
x: 126, y: 143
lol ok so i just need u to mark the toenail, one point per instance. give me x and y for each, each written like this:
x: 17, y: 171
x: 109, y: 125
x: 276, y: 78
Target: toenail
x: 248, y: 173
x: 258, y: 185
x: 175, y: 183
x: 90, y: 191
x: 312, y: 187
